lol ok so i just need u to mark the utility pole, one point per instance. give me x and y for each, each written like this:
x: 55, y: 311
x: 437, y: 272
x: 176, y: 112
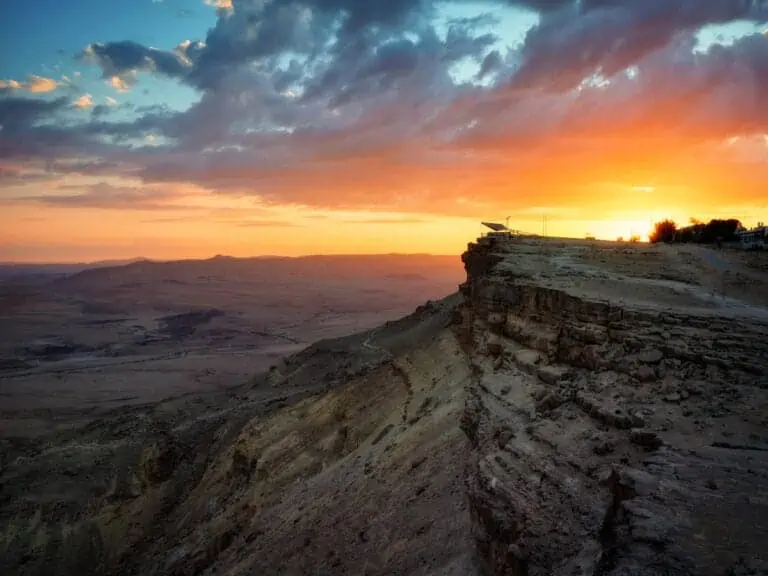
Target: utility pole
x: 544, y: 224
x: 507, y: 222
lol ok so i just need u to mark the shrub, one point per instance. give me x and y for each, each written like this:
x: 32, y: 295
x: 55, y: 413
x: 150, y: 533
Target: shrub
x: 663, y: 231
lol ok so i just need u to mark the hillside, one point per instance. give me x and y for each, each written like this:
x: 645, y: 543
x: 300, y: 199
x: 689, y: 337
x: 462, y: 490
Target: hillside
x: 345, y: 459
x: 578, y: 408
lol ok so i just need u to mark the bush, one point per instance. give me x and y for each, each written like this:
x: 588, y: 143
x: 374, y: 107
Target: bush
x: 664, y: 231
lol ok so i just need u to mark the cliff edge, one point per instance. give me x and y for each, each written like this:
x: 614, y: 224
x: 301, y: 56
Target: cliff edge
x: 617, y: 410
x: 613, y: 401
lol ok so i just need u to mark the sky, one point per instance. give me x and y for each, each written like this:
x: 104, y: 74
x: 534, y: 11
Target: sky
x: 189, y: 128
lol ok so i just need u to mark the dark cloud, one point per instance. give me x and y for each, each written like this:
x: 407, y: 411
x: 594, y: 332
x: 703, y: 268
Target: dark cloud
x: 361, y: 14
x: 547, y: 5
x: 610, y: 35
x: 18, y: 113
x: 492, y: 62
x: 29, y: 129
x: 255, y: 30
x: 127, y: 57
x: 100, y: 110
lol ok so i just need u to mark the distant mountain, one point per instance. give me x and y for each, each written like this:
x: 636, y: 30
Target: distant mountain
x: 26, y: 271
x: 384, y: 266
x: 117, y: 262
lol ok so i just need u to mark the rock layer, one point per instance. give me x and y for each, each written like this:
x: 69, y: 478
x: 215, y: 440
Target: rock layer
x: 617, y: 421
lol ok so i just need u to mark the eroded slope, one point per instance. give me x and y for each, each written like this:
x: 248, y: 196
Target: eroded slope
x: 345, y: 459
x: 617, y: 413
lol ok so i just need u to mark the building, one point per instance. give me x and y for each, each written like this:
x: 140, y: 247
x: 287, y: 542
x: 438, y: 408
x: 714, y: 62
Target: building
x: 754, y: 239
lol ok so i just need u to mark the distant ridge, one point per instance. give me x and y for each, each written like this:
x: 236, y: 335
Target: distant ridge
x: 83, y: 265
x: 120, y: 262
x: 218, y: 257
x: 20, y: 270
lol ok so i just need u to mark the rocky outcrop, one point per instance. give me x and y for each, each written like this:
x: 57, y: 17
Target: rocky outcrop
x: 617, y: 423
x: 345, y: 459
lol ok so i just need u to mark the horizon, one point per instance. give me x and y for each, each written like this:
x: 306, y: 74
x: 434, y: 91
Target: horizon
x: 138, y: 259
x: 177, y: 129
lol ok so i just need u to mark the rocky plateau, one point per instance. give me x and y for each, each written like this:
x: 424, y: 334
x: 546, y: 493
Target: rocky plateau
x: 576, y: 409
x: 616, y: 412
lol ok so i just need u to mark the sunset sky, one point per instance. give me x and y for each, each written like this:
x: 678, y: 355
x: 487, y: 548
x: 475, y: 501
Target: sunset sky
x: 188, y: 128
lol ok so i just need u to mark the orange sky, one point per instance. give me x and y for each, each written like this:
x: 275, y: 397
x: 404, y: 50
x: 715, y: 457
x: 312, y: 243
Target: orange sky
x: 609, y: 196
x: 617, y: 193
x: 199, y: 226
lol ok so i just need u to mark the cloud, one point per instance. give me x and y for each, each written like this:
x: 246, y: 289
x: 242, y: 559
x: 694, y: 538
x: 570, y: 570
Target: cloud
x: 17, y: 114
x: 106, y: 196
x: 100, y: 110
x: 119, y: 84
x: 10, y: 85
x: 546, y: 5
x: 83, y: 102
x: 220, y: 4
x: 122, y: 60
x: 358, y: 105
x: 469, y: 143
x: 610, y: 35
x: 33, y: 85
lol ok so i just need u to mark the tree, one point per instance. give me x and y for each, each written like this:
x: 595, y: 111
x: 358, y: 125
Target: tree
x: 719, y: 230
x: 663, y: 231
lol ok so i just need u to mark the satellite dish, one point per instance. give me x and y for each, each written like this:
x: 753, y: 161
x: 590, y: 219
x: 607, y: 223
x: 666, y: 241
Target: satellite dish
x: 496, y: 227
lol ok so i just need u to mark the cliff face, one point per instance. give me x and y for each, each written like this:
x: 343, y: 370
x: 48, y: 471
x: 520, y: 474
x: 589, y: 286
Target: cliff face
x: 616, y: 413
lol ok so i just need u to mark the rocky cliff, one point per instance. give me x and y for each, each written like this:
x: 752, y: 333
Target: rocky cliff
x: 614, y: 398
x: 617, y: 412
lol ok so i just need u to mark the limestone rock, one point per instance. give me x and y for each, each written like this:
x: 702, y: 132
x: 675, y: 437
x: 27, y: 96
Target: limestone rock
x: 586, y: 485
x: 552, y: 374
x: 650, y: 356
x: 646, y: 439
x: 646, y: 374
